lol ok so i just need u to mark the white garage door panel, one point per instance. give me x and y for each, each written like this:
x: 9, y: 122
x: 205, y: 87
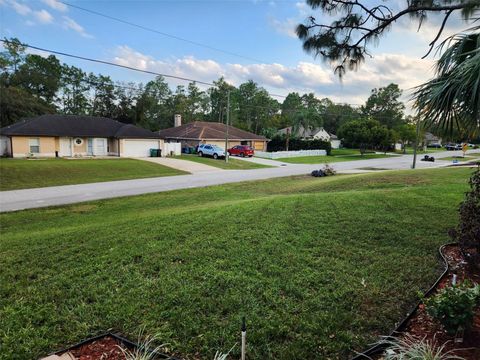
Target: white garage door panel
x: 139, y: 148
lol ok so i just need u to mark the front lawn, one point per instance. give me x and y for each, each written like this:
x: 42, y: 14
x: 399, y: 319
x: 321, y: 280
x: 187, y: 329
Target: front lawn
x: 460, y: 159
x: 22, y: 173
x: 233, y: 164
x: 332, y: 158
x: 320, y: 267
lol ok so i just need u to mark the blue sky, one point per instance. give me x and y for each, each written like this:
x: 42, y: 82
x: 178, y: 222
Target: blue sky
x: 259, y: 30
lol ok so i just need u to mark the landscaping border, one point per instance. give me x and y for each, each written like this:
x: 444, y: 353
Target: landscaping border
x: 375, y: 349
x: 116, y: 336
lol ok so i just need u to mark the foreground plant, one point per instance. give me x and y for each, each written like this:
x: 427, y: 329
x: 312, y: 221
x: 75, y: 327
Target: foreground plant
x: 145, y: 351
x: 468, y: 231
x: 454, y: 307
x: 410, y: 348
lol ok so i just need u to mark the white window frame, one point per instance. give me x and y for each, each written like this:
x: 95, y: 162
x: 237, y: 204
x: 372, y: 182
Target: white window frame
x: 34, y: 143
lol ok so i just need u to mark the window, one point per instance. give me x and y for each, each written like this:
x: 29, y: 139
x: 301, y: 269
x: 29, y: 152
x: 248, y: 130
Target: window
x: 34, y: 144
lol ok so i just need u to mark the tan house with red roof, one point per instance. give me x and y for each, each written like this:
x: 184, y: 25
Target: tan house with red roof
x: 203, y: 132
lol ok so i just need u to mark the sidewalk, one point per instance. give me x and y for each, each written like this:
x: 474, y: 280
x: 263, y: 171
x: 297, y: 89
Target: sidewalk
x: 184, y: 165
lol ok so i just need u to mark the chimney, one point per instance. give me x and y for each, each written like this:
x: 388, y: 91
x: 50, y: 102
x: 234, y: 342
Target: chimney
x: 177, y: 120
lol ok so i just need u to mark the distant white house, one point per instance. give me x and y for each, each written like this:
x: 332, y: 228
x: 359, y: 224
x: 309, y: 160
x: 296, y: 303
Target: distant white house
x: 431, y: 139
x: 318, y: 133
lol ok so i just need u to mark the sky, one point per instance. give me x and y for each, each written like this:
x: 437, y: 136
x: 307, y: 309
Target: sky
x: 245, y: 39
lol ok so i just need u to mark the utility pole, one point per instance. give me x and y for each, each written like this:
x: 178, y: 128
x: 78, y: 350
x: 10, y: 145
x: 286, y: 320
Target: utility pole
x: 416, y: 145
x: 226, y: 126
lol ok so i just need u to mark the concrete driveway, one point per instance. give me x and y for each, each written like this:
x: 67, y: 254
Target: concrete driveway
x: 69, y: 194
x: 184, y: 165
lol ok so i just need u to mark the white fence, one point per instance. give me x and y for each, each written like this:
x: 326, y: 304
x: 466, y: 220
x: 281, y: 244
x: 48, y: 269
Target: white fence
x: 288, y: 154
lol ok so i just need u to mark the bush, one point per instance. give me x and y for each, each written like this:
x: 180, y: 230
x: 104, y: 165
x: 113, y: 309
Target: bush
x: 468, y: 231
x: 410, y: 348
x: 278, y: 143
x: 454, y: 307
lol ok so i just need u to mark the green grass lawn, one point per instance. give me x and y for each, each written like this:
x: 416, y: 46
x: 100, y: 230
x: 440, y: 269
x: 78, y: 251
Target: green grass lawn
x: 460, y: 159
x: 409, y: 150
x: 22, y: 173
x: 332, y: 158
x: 233, y: 164
x: 320, y: 267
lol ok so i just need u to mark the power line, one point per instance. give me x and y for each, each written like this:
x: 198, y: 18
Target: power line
x: 160, y: 32
x: 140, y: 70
x: 110, y: 63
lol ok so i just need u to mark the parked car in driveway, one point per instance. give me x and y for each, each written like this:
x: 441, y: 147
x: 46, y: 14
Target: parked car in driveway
x: 435, y: 146
x: 210, y: 150
x: 453, y: 146
x: 241, y: 150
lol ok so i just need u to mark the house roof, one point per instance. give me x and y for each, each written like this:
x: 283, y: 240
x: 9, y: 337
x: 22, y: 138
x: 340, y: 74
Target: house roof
x: 204, y: 130
x: 301, y: 131
x: 76, y: 125
x: 431, y: 137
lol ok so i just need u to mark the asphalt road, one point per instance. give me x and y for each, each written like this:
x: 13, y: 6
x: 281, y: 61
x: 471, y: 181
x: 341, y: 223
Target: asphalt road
x: 69, y: 194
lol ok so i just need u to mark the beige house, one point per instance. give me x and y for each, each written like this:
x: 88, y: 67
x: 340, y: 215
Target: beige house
x: 76, y: 136
x: 204, y: 132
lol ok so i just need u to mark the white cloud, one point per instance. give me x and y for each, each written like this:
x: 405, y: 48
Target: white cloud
x: 303, y: 77
x: 285, y: 27
x: 71, y: 24
x: 43, y: 16
x: 20, y: 8
x: 54, y: 4
x: 34, y: 16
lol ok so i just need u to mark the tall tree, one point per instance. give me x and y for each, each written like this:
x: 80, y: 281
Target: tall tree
x: 155, y: 105
x: 290, y: 106
x: 74, y: 91
x: 13, y: 56
x: 384, y: 106
x: 218, y: 99
x: 103, y: 102
x: 366, y: 134
x: 40, y: 76
x: 335, y: 115
x: 358, y: 23
x: 197, y: 103
x: 126, y: 93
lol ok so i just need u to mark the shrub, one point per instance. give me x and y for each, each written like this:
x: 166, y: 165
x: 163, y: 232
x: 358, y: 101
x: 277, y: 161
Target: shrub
x: 454, y: 307
x: 468, y: 231
x: 410, y: 348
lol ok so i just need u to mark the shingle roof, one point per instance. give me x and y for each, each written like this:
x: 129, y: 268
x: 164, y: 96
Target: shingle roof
x: 201, y: 130
x: 301, y: 131
x: 76, y: 125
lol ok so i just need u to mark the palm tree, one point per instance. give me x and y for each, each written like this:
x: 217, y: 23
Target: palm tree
x: 450, y: 103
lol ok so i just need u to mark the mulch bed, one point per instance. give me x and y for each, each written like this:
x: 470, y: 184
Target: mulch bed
x: 422, y: 326
x: 105, y: 348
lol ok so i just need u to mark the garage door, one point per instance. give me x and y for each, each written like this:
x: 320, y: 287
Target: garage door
x: 139, y: 148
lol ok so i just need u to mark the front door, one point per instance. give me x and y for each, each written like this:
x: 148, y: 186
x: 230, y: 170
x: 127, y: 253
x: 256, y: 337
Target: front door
x: 65, y: 146
x: 90, y: 146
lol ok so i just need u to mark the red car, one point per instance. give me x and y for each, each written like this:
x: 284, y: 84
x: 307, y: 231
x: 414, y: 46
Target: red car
x: 241, y: 150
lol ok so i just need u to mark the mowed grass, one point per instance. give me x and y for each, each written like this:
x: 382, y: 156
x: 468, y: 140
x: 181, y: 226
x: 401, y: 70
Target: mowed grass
x: 333, y: 158
x: 320, y: 267
x: 22, y: 173
x: 459, y: 158
x: 233, y: 163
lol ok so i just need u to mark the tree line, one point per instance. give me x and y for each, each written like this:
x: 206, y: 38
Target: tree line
x: 31, y: 85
